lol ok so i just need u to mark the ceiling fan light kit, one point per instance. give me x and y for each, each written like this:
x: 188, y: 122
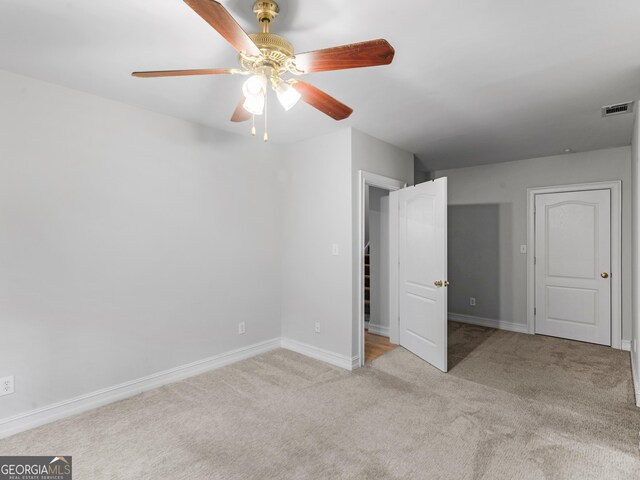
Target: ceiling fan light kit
x: 254, y: 91
x: 287, y: 95
x: 265, y: 57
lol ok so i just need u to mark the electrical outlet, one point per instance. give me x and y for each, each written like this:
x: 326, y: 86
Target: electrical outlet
x: 6, y: 385
x: 335, y: 249
x: 241, y: 328
x: 472, y: 301
x: 317, y: 327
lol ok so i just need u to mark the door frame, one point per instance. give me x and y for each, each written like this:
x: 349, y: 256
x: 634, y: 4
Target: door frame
x: 615, y: 187
x: 368, y: 179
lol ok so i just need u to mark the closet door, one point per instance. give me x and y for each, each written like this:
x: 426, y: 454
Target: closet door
x: 573, y: 265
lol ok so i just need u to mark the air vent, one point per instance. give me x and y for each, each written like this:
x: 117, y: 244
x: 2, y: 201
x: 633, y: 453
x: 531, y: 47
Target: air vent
x: 617, y: 109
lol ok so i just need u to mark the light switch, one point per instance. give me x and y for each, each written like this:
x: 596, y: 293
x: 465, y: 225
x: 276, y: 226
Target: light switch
x: 523, y: 249
x: 334, y: 249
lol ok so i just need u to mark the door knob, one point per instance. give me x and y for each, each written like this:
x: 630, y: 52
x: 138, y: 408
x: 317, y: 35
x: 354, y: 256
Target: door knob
x: 446, y: 283
x: 604, y: 275
x: 438, y: 283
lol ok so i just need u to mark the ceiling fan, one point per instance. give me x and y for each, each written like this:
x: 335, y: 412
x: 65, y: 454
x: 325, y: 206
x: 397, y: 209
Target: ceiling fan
x: 265, y: 57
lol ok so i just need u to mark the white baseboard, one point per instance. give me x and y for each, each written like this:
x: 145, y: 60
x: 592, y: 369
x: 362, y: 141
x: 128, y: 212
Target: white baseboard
x: 625, y: 345
x: 50, y: 413
x: 378, y: 329
x: 342, y: 361
x: 489, y: 322
x: 73, y: 406
x: 355, y: 362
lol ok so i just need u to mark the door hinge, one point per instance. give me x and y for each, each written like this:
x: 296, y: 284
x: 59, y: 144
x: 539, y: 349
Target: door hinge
x: 534, y: 310
x: 534, y: 260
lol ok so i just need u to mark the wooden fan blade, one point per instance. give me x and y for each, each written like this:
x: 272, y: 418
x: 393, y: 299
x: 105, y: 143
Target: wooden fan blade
x: 218, y: 17
x: 240, y: 114
x: 179, y: 73
x: 322, y: 101
x: 356, y: 55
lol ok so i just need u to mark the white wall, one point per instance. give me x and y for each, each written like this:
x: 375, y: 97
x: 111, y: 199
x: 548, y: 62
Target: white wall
x: 133, y: 243
x: 130, y: 242
x: 317, y: 214
x: 506, y: 184
x: 635, y: 178
x: 374, y: 156
x: 320, y: 209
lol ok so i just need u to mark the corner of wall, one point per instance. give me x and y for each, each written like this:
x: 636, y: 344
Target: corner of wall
x: 316, y: 206
x: 376, y: 156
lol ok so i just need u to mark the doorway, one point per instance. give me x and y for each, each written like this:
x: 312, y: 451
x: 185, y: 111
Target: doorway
x: 376, y: 269
x: 574, y: 266
x: 373, y: 261
x: 417, y: 279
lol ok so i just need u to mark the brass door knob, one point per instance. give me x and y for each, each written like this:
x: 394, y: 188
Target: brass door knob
x: 446, y: 283
x: 438, y: 283
x: 604, y: 275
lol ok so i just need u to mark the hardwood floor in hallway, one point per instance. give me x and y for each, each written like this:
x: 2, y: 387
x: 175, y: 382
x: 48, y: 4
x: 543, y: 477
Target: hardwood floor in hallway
x: 376, y: 346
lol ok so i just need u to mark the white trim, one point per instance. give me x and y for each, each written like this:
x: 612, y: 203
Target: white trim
x: 342, y: 361
x: 625, y: 345
x: 636, y: 378
x: 394, y: 270
x: 489, y: 322
x: 355, y: 362
x: 616, y: 250
x: 378, y: 329
x: 66, y: 408
x: 82, y: 403
x: 391, y: 184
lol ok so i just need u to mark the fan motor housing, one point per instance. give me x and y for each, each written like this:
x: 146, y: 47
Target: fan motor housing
x: 270, y: 42
x: 276, y: 52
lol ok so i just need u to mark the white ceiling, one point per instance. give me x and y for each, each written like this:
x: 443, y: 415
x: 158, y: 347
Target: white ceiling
x: 472, y: 82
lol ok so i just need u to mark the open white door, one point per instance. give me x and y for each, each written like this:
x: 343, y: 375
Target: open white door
x: 418, y: 227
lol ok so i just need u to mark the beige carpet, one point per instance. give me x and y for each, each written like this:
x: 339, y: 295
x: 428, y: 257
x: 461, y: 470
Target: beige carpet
x: 512, y: 407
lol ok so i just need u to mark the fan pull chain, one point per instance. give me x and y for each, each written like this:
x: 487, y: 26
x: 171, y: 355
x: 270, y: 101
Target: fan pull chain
x: 253, y: 125
x: 266, y: 134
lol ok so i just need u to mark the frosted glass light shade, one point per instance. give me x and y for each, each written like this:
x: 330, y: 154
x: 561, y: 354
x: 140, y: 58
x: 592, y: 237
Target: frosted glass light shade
x: 254, y: 104
x: 287, y: 95
x: 255, y: 85
x: 254, y: 90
